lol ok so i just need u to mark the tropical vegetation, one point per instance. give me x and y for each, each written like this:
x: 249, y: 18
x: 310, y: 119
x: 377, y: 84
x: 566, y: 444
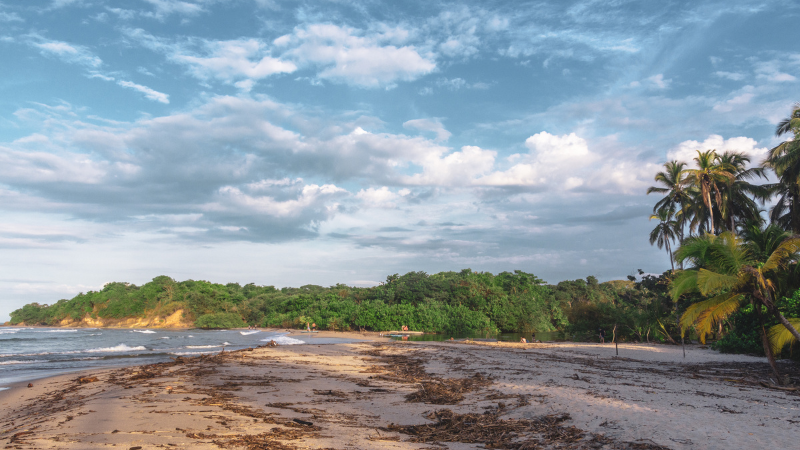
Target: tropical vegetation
x: 741, y: 281
x: 457, y: 303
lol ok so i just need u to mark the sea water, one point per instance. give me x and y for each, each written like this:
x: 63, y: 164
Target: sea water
x: 30, y: 353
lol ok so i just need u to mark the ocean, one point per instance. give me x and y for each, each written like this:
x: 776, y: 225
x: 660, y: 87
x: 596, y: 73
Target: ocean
x: 31, y: 353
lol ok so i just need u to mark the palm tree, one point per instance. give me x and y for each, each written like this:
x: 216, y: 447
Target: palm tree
x: 665, y: 232
x: 677, y: 196
x: 784, y: 160
x: 739, y: 196
x: 672, y: 178
x: 731, y: 273
x: 708, y: 177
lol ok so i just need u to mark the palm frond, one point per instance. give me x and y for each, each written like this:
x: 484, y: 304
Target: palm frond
x: 716, y: 310
x: 785, y: 252
x: 702, y: 315
x: 711, y: 283
x: 779, y: 335
x: 685, y: 281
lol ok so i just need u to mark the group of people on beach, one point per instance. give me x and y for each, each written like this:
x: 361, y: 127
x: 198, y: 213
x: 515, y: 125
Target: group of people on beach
x: 312, y: 327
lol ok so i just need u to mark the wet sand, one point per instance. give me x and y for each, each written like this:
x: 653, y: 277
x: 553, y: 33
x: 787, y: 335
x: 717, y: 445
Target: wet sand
x: 377, y: 394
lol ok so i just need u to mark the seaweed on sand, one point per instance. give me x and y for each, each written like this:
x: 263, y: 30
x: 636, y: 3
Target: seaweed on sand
x: 511, y: 434
x: 447, y: 391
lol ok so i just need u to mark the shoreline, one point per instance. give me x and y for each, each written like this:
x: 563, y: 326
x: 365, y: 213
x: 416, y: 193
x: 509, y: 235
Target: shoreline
x: 375, y: 393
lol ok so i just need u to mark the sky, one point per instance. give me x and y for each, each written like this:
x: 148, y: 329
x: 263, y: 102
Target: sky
x: 322, y: 142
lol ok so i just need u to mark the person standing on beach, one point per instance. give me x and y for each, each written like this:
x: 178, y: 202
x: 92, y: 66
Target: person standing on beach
x: 602, y: 336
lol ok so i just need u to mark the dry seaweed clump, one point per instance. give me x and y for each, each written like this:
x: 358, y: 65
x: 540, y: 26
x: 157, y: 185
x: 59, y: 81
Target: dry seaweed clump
x: 448, y: 391
x: 260, y: 441
x: 511, y: 434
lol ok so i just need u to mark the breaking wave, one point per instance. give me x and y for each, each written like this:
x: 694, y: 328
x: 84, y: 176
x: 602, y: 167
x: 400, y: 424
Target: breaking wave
x: 117, y: 348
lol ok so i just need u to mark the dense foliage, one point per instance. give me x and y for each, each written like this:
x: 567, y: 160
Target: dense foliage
x: 453, y: 302
x: 742, y: 274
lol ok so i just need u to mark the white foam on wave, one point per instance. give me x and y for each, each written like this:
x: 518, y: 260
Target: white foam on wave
x: 203, y: 346
x: 284, y: 340
x: 164, y: 337
x: 14, y: 361
x: 56, y: 331
x: 95, y: 334
x: 117, y: 348
x: 143, y: 331
x: 245, y: 333
x: 8, y: 331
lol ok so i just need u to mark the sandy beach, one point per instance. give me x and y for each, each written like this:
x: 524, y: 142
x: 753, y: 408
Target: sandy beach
x: 380, y: 394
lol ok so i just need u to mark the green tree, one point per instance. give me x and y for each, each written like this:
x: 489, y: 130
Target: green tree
x: 740, y: 198
x: 665, y: 232
x: 784, y: 160
x: 677, y: 196
x: 708, y: 178
x: 727, y: 271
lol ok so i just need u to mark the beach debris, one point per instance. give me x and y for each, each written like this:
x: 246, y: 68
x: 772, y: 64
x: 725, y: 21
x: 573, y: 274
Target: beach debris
x: 17, y: 437
x: 271, y: 343
x: 409, y: 369
x: 491, y: 430
x: 138, y: 447
x: 513, y: 434
x: 84, y: 380
x: 332, y: 393
x: 447, y: 391
x: 302, y: 422
x: 30, y: 385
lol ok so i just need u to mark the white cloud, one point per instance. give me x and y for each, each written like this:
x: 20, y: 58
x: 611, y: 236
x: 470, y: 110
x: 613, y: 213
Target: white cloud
x: 346, y: 55
x: 233, y: 60
x: 149, y: 93
x: 456, y: 169
x: 734, y: 76
x: 771, y: 72
x: 686, y: 151
x: 552, y: 160
x: 433, y: 125
x: 311, y: 196
x: 9, y: 17
x: 658, y: 81
x: 70, y: 53
x: 741, y: 98
x: 565, y: 163
x: 164, y: 8
x: 378, y: 198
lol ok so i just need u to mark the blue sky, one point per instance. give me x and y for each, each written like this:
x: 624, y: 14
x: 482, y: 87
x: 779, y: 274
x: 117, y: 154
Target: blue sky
x: 289, y: 143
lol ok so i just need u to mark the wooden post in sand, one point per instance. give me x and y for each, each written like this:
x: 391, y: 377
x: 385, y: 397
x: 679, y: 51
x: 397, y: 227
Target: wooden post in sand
x: 616, y: 345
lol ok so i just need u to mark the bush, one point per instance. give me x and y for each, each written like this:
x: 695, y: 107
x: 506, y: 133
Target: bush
x: 219, y: 320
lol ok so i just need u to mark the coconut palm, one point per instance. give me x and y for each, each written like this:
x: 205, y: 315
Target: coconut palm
x: 784, y: 160
x: 665, y: 232
x: 740, y: 198
x: 709, y: 176
x: 730, y: 273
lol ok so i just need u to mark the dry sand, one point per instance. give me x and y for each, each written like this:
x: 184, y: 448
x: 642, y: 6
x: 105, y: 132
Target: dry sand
x: 367, y: 395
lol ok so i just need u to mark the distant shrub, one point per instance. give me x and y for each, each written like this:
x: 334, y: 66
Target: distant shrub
x: 219, y: 320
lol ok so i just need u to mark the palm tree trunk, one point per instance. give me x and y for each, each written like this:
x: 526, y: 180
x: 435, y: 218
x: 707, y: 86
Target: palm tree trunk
x: 765, y: 343
x: 710, y: 211
x: 671, y: 260
x: 795, y: 212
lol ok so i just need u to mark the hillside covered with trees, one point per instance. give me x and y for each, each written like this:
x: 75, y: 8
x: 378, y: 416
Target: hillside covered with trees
x: 451, y: 302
